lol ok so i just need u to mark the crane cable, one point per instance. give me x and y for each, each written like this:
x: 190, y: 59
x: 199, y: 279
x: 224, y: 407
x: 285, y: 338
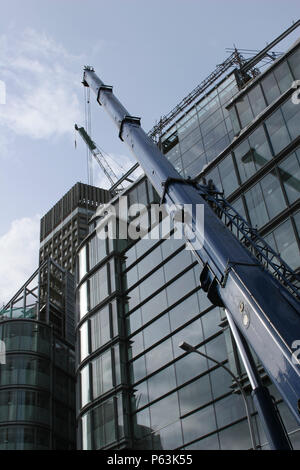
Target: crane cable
x: 87, y: 115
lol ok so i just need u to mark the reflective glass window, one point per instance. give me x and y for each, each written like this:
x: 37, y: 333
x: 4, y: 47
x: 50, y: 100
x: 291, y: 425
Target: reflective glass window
x: 235, y: 437
x: 102, y: 374
x: 256, y: 206
x: 221, y: 382
x: 161, y: 383
x: 272, y: 194
x: 104, y: 423
x: 228, y: 175
x: 98, y: 286
x: 83, y: 299
x: 154, y: 306
x: 283, y: 76
x: 138, y: 369
x: 177, y: 264
x: 190, y: 366
x: 270, y: 88
x: 192, y: 334
x: 152, y: 283
x: 278, y: 132
x: 229, y: 409
x: 239, y: 207
x: 169, y: 437
x: 97, y: 249
x: 256, y: 99
x: 294, y: 62
x: 216, y: 348
x: 286, y: 244
x: 85, y: 385
x: 82, y: 266
x: 180, y: 287
x: 208, y: 443
x: 164, y: 411
x: 156, y: 330
x: 210, y: 322
x: 150, y: 262
x: 244, y: 110
x: 289, y: 171
x: 291, y: 114
x: 84, y: 341
x: 195, y: 394
x: 159, y: 356
x: 100, y: 328
x: 234, y: 120
x: 184, y: 311
x: 199, y: 424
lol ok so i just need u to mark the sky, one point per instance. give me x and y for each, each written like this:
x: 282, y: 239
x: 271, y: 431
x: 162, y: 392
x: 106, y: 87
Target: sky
x: 153, y: 53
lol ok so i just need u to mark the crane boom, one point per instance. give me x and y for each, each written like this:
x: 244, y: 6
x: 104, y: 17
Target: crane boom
x: 263, y: 310
x: 98, y: 155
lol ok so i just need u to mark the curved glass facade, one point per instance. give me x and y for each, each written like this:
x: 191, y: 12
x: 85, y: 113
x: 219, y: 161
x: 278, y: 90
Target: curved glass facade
x: 36, y: 388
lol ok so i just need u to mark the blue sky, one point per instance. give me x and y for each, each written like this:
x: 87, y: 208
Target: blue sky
x: 153, y: 52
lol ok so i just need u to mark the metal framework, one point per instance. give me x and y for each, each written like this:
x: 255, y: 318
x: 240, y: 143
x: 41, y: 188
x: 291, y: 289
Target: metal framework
x: 250, y: 238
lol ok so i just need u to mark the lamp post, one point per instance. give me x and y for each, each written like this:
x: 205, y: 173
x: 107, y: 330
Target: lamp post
x: 189, y: 348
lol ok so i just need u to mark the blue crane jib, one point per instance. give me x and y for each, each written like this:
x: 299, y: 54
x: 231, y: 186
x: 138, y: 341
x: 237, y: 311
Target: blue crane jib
x: 263, y: 305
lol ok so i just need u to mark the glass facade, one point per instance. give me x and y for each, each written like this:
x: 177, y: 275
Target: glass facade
x: 137, y: 300
x: 36, y: 388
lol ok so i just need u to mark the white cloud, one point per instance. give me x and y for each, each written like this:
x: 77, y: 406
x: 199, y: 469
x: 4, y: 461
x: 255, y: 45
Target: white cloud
x: 19, y: 249
x: 41, y: 86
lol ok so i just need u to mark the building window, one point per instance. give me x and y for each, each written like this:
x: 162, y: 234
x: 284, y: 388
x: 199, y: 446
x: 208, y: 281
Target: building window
x: 289, y: 171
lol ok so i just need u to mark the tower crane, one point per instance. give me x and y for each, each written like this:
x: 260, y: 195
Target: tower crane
x: 99, y: 157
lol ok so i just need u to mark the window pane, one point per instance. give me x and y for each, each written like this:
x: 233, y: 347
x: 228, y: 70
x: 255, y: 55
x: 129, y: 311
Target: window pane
x: 162, y: 383
x: 84, y: 342
x: 195, y: 394
x: 260, y: 148
x: 244, y: 110
x: 294, y: 61
x: 102, y: 374
x: 164, y: 411
x: 154, y: 306
x: 229, y: 409
x: 159, y: 356
x: 277, y: 131
x: 100, y: 328
x: 236, y: 437
x: 257, y: 100
x: 286, y: 244
x: 256, y: 206
x: 169, y: 437
x: 289, y: 171
x: 199, y: 424
x: 85, y: 386
x: 83, y: 302
x: 291, y: 114
x: 228, y: 175
x: 283, y: 76
x: 270, y: 88
x: 98, y: 287
x: 273, y: 195
x: 157, y: 330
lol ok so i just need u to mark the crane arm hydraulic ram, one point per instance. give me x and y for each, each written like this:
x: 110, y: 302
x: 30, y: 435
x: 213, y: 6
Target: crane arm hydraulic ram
x: 266, y: 313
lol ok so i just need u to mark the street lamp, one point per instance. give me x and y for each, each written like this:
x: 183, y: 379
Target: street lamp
x: 189, y: 348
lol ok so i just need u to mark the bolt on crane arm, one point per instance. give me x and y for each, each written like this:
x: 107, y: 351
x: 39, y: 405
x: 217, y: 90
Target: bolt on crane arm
x: 266, y: 314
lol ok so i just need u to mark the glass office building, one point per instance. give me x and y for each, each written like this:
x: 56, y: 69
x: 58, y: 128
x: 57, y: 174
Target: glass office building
x: 37, y: 398
x: 138, y: 299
